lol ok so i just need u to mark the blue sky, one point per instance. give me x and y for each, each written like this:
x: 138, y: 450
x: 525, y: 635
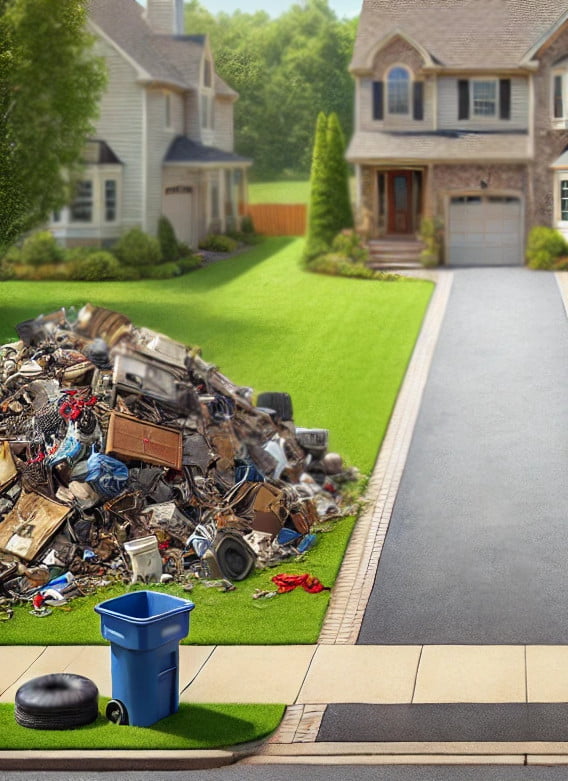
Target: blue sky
x: 342, y: 8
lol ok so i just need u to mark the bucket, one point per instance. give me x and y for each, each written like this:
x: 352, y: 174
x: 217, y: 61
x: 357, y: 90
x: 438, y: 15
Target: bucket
x: 145, y: 559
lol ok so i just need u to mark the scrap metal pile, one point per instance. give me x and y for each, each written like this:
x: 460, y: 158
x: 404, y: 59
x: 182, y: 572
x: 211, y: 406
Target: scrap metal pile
x: 124, y: 454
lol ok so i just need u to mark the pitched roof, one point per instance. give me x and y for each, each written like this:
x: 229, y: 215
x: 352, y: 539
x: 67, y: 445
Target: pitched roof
x: 184, y: 150
x: 450, y: 147
x: 174, y: 60
x: 459, y: 33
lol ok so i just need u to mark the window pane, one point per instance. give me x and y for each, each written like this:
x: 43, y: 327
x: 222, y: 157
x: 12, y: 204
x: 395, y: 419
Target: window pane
x: 82, y: 206
x: 558, y: 103
x: 398, y: 89
x: 564, y: 200
x: 110, y: 200
x: 484, y: 98
x: 214, y: 200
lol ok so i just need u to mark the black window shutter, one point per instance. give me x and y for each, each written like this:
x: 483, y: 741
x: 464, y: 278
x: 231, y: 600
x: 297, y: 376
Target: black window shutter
x: 418, y: 104
x: 377, y: 100
x: 463, y: 99
x: 505, y: 98
x: 558, y: 101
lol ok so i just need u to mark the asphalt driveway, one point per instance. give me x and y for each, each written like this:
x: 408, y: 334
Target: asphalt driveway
x: 477, y: 548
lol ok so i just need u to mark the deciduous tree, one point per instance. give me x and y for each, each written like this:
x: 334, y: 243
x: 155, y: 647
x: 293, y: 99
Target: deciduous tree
x: 50, y: 86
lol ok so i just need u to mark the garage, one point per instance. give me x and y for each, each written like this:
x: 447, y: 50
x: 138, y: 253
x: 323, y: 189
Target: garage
x: 485, y: 231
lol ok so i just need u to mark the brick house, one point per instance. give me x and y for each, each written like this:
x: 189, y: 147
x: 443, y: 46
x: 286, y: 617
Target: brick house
x: 462, y: 113
x: 164, y: 137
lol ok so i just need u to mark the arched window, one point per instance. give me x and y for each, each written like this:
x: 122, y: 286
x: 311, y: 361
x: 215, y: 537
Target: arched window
x: 398, y: 91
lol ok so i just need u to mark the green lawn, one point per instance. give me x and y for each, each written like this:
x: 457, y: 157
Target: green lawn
x: 339, y: 346
x: 279, y: 192
x: 192, y: 727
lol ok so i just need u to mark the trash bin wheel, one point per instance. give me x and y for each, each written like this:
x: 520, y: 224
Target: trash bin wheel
x: 116, y: 712
x: 281, y: 403
x: 56, y: 701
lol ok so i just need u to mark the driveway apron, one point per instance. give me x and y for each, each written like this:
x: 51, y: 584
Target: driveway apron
x: 477, y: 548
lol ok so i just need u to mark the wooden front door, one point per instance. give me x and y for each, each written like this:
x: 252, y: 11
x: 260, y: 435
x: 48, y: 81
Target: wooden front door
x: 400, y: 202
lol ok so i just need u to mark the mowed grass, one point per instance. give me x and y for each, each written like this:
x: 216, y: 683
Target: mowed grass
x: 192, y: 727
x: 279, y: 192
x: 340, y: 347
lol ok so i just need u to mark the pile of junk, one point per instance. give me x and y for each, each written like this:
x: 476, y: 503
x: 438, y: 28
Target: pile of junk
x: 125, y: 456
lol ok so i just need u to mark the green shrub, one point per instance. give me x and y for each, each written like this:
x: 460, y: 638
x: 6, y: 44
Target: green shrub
x: 217, y: 242
x: 136, y: 248
x: 7, y: 271
x: 432, y: 235
x: 162, y: 271
x: 189, y: 263
x: 544, y: 247
x: 184, y: 250
x: 167, y: 240
x: 52, y: 271
x: 40, y: 249
x: 337, y: 266
x: 96, y: 267
x: 247, y: 224
x: 127, y: 274
x: 13, y: 255
x: 561, y: 264
x: 350, y: 245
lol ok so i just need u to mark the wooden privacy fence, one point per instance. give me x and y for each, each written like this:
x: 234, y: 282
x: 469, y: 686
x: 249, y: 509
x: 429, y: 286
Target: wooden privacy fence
x: 278, y: 219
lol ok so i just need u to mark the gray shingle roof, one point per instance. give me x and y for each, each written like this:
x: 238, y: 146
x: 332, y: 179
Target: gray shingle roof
x: 450, y: 147
x: 460, y: 33
x: 184, y: 150
x: 173, y: 60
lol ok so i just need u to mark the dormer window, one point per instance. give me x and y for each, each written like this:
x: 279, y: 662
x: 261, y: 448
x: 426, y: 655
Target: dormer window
x: 398, y: 91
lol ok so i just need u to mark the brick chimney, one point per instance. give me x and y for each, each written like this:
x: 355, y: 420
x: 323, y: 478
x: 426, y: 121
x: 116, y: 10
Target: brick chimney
x: 165, y: 16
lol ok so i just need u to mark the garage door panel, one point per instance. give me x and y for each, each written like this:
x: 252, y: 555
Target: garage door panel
x: 485, y: 231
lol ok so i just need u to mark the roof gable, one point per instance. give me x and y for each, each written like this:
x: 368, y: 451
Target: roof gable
x: 460, y: 33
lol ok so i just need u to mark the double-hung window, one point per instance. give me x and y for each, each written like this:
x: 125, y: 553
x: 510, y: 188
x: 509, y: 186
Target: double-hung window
x: 483, y: 98
x: 82, y: 206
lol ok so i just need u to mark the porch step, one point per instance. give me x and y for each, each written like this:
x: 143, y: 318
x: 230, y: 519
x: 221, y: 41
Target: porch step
x: 394, y: 253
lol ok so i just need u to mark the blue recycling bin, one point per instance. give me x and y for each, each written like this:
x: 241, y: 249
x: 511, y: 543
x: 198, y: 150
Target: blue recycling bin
x: 144, y: 629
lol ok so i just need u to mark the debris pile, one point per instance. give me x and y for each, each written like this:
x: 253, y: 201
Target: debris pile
x: 124, y: 455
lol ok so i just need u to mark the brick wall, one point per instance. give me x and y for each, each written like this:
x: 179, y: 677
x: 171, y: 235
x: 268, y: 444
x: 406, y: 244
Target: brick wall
x: 549, y: 142
x: 398, y: 52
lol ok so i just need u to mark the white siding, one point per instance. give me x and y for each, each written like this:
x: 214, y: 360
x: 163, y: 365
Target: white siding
x: 224, y: 136
x: 393, y: 122
x: 192, y: 122
x: 121, y: 126
x: 448, y: 108
x: 159, y: 140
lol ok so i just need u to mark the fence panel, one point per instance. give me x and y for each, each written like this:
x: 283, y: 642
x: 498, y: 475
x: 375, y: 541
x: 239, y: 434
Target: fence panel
x: 278, y: 219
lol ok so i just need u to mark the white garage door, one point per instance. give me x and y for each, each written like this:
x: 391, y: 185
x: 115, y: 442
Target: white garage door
x: 485, y: 231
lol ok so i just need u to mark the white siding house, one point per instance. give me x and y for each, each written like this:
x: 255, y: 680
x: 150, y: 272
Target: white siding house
x: 164, y: 138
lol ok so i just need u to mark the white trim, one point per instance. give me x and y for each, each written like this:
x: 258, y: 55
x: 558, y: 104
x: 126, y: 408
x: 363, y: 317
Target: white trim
x: 372, y: 52
x: 218, y: 164
x: 144, y: 162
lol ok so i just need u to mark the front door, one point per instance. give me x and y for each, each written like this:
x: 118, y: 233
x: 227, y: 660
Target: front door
x: 400, y: 202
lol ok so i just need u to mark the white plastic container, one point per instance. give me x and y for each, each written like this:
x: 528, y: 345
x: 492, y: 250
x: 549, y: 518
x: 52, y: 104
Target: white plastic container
x: 145, y: 558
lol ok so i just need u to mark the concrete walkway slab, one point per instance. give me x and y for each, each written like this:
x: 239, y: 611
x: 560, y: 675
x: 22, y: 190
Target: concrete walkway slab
x: 471, y: 674
x: 547, y: 673
x: 341, y: 673
x: 51, y: 659
x: 15, y: 661
x: 251, y: 674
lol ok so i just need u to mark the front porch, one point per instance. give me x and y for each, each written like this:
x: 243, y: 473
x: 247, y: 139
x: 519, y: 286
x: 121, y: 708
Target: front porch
x: 392, y: 200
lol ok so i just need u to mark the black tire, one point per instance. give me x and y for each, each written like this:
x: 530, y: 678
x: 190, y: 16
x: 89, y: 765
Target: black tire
x: 116, y: 712
x: 57, y: 701
x: 234, y: 556
x: 281, y: 403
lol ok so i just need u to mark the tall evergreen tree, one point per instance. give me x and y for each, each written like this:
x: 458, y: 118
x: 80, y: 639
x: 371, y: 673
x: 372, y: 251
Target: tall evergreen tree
x: 320, y: 227
x: 338, y: 175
